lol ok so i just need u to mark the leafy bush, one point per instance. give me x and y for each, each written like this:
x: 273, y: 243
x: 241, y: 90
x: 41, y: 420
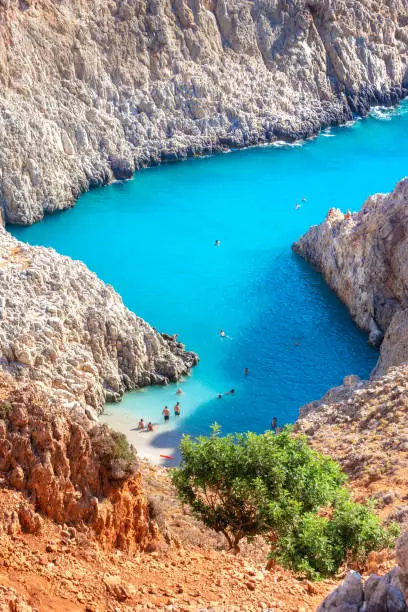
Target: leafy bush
x: 114, y: 452
x: 276, y: 486
x: 5, y: 410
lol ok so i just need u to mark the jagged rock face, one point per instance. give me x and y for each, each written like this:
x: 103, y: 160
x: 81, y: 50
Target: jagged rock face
x: 363, y: 259
x: 364, y: 426
x: 58, y: 464
x: 61, y: 326
x: 91, y: 90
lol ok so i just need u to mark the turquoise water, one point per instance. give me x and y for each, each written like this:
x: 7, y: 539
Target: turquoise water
x: 153, y: 239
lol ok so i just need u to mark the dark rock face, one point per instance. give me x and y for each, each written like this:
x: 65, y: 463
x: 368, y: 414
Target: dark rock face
x: 379, y: 594
x: 109, y: 87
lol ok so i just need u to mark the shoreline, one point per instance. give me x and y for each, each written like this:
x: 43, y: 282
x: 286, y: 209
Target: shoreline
x: 144, y: 160
x: 164, y: 440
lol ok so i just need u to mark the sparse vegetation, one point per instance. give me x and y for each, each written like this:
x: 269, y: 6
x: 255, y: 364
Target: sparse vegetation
x: 245, y: 485
x: 5, y: 410
x: 114, y: 452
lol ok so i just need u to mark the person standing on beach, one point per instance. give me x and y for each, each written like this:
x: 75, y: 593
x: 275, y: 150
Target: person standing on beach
x: 177, y: 409
x: 166, y: 414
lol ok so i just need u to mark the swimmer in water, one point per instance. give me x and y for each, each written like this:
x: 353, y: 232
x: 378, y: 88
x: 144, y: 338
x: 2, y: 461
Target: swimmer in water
x: 246, y: 371
x: 179, y: 391
x: 297, y: 206
x: 217, y: 243
x: 304, y: 200
x: 222, y: 333
x: 231, y: 392
x: 274, y: 424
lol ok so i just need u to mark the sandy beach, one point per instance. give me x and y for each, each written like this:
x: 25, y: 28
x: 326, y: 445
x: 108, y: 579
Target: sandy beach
x: 164, y: 440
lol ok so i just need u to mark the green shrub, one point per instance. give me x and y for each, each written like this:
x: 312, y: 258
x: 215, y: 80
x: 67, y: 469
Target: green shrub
x: 5, y: 410
x: 276, y: 486
x: 114, y: 452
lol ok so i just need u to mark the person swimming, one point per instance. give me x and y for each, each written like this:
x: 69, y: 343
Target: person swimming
x: 141, y: 424
x: 217, y: 243
x: 246, y: 371
x: 166, y: 414
x: 297, y: 206
x: 230, y: 392
x: 274, y: 424
x: 222, y: 333
x: 177, y: 409
x: 179, y: 391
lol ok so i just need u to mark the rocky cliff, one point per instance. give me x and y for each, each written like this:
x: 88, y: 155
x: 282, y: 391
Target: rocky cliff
x: 363, y: 259
x: 73, y: 471
x: 91, y: 90
x: 60, y: 325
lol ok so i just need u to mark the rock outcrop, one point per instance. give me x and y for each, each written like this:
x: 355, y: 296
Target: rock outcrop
x: 363, y: 259
x: 379, y: 594
x: 363, y: 425
x: 63, y: 327
x: 74, y: 472
x: 93, y: 90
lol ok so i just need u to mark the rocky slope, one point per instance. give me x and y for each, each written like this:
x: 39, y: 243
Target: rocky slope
x: 363, y: 259
x: 60, y: 325
x: 74, y: 472
x: 91, y: 90
x: 364, y: 426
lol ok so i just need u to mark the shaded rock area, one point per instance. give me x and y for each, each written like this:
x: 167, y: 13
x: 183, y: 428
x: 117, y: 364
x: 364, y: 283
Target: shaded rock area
x: 91, y: 91
x: 378, y: 594
x: 74, y: 472
x: 63, y: 327
x: 363, y: 259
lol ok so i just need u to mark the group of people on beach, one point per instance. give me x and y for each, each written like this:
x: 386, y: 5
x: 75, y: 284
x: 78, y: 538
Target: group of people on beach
x: 141, y: 426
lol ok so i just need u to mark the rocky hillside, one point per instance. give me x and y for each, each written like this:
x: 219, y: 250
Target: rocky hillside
x: 363, y: 259
x: 91, y: 90
x: 72, y: 471
x: 364, y: 426
x: 60, y: 325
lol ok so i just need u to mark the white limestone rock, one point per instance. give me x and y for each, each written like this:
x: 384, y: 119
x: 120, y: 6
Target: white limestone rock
x: 63, y: 327
x: 91, y: 91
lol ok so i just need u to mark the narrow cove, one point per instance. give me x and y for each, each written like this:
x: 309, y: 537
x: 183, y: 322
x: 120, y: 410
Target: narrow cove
x: 153, y: 239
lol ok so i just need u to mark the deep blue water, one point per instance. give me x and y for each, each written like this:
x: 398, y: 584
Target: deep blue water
x: 153, y: 238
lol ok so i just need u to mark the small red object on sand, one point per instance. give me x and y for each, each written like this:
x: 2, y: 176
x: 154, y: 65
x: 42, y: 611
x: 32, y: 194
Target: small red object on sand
x: 166, y: 457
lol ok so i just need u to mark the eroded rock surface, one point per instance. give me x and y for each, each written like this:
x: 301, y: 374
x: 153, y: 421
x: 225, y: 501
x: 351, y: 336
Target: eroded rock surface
x: 363, y: 258
x: 364, y: 426
x: 74, y: 472
x: 92, y: 90
x: 63, y: 327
